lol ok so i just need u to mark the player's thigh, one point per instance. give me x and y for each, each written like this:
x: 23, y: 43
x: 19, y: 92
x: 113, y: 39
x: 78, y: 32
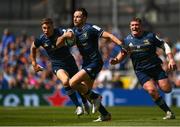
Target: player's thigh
x: 63, y: 76
x: 165, y: 85
x: 150, y: 87
x: 89, y: 83
x: 79, y: 77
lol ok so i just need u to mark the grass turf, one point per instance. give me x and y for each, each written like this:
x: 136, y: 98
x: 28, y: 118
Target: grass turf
x: 64, y: 116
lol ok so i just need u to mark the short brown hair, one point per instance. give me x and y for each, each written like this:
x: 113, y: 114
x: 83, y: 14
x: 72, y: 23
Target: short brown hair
x: 46, y: 21
x: 83, y: 10
x: 137, y: 19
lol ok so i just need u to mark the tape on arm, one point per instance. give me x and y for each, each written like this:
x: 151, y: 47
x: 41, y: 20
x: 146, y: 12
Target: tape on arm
x: 167, y: 49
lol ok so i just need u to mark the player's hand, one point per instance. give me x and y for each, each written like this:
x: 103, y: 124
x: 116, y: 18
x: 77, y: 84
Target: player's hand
x: 172, y: 65
x: 113, y: 61
x: 68, y: 35
x: 37, y: 68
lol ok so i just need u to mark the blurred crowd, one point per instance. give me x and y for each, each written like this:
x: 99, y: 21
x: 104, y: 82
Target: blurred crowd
x: 16, y: 70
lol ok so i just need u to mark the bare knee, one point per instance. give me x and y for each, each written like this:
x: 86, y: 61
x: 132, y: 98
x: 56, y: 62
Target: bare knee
x: 73, y: 83
x: 153, y: 92
x: 65, y: 82
x: 165, y: 85
x: 166, y: 88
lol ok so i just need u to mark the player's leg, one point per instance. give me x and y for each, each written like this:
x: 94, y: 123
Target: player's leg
x: 72, y: 70
x: 76, y: 83
x: 150, y: 87
x: 105, y: 115
x: 85, y: 104
x: 166, y: 87
x: 64, y: 77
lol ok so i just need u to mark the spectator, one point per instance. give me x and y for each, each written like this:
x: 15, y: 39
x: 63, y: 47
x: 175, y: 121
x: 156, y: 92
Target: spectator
x: 7, y: 38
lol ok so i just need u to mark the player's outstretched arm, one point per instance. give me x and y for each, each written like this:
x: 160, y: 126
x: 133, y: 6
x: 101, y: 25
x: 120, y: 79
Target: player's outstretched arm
x: 172, y: 64
x: 111, y: 37
x: 36, y: 66
x: 120, y: 57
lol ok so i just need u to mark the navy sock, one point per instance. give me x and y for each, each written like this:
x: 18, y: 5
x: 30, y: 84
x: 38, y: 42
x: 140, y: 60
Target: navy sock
x: 162, y: 104
x: 84, y: 100
x: 72, y: 95
x: 92, y: 95
x: 102, y: 110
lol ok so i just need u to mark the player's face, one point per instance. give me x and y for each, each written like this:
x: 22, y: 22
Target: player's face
x: 78, y: 19
x: 136, y: 28
x: 47, y: 29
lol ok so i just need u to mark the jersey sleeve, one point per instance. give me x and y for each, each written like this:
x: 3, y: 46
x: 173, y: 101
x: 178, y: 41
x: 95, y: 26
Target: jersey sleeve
x: 37, y: 42
x: 157, y: 41
x: 125, y: 45
x: 97, y: 30
x: 61, y: 31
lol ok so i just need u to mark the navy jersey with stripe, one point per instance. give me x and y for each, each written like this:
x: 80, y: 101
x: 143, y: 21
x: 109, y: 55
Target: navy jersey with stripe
x: 60, y: 57
x: 87, y: 41
x: 143, y: 50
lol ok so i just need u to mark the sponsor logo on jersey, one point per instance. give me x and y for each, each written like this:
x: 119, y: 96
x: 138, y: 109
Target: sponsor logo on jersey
x: 45, y: 45
x: 130, y: 44
x: 146, y: 42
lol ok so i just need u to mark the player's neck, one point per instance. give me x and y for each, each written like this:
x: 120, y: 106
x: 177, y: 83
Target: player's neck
x: 138, y: 34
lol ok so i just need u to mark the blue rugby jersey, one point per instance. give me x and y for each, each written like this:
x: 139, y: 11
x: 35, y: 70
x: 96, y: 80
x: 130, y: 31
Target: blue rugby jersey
x: 87, y: 42
x: 49, y: 44
x: 143, y: 50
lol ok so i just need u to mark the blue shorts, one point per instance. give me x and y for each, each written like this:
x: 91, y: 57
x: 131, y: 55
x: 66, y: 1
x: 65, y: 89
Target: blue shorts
x: 69, y: 65
x: 155, y: 73
x: 93, y: 68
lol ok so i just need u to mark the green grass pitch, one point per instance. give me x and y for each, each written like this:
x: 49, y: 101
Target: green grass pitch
x: 64, y: 116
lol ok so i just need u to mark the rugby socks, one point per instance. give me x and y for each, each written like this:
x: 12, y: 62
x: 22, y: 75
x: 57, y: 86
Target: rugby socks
x: 84, y: 100
x: 91, y: 95
x: 162, y: 104
x: 102, y: 110
x: 72, y: 95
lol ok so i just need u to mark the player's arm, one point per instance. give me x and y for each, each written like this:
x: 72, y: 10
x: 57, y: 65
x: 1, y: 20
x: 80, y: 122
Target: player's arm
x: 167, y: 50
x: 119, y: 58
x: 62, y: 39
x: 111, y: 37
x: 33, y: 54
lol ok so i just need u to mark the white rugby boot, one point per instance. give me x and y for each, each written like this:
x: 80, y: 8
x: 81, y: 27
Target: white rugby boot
x: 79, y: 111
x: 103, y: 118
x: 169, y: 115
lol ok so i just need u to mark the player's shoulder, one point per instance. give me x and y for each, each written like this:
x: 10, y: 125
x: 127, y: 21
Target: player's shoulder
x: 149, y: 34
x: 41, y: 37
x: 128, y: 37
x: 92, y: 26
x: 87, y: 26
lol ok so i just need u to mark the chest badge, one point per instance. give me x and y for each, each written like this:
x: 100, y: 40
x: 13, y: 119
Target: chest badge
x: 146, y: 42
x: 130, y: 44
x: 45, y: 45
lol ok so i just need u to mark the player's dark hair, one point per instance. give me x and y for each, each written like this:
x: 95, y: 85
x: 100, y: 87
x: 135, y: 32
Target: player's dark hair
x: 83, y: 10
x: 46, y: 21
x: 137, y: 19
